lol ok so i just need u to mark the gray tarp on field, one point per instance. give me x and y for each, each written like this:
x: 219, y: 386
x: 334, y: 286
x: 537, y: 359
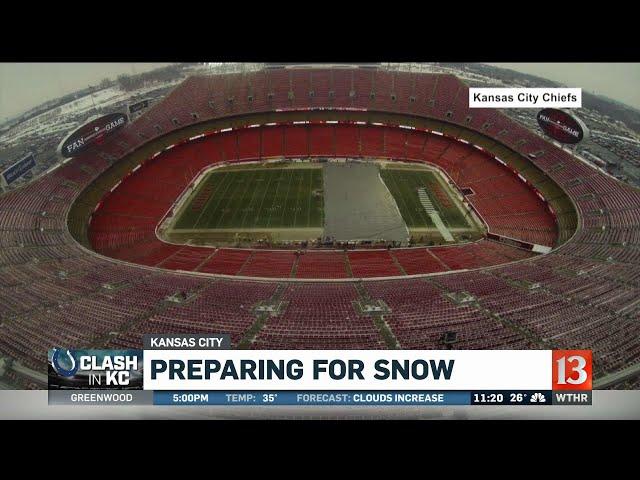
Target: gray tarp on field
x: 358, y: 205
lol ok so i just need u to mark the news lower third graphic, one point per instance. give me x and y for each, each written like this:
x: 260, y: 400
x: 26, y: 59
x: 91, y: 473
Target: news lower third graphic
x: 191, y: 370
x: 95, y: 369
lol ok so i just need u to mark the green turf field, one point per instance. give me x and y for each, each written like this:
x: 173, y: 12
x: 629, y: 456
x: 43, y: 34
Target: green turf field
x: 255, y: 198
x: 404, y: 183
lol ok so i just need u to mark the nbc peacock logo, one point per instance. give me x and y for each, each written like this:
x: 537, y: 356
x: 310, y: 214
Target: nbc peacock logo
x: 538, y: 398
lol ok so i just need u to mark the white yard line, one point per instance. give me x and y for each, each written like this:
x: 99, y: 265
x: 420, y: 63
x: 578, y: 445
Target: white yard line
x: 434, y: 215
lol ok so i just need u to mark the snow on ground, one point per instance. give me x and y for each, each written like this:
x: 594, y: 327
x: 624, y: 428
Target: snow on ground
x: 72, y: 114
x: 472, y: 78
x: 619, y: 137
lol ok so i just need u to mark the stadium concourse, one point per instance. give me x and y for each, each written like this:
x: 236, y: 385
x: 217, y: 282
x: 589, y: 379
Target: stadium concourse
x: 74, y: 279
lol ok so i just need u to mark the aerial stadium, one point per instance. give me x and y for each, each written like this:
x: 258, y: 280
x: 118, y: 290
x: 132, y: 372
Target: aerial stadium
x: 322, y: 208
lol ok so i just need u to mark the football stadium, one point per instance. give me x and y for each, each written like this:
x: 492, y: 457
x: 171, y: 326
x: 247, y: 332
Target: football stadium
x: 323, y: 208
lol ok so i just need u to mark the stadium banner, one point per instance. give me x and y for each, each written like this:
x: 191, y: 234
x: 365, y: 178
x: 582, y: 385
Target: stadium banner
x: 17, y: 170
x: 525, y: 97
x: 205, y: 370
x: 562, y: 126
x: 92, y: 132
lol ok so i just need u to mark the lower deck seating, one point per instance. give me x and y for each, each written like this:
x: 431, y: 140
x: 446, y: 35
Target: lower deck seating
x: 581, y: 295
x: 124, y: 224
x: 319, y: 318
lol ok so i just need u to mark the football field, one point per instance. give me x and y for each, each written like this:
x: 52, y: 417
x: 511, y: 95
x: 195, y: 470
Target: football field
x: 406, y: 184
x: 257, y: 198
x: 300, y: 201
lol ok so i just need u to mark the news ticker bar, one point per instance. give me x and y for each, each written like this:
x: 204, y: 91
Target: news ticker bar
x: 320, y: 398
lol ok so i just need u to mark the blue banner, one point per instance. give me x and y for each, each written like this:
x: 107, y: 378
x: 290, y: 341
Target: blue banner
x: 18, y: 169
x: 355, y: 397
x: 362, y: 398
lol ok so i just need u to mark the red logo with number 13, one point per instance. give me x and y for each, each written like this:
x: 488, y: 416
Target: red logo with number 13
x: 571, y: 369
